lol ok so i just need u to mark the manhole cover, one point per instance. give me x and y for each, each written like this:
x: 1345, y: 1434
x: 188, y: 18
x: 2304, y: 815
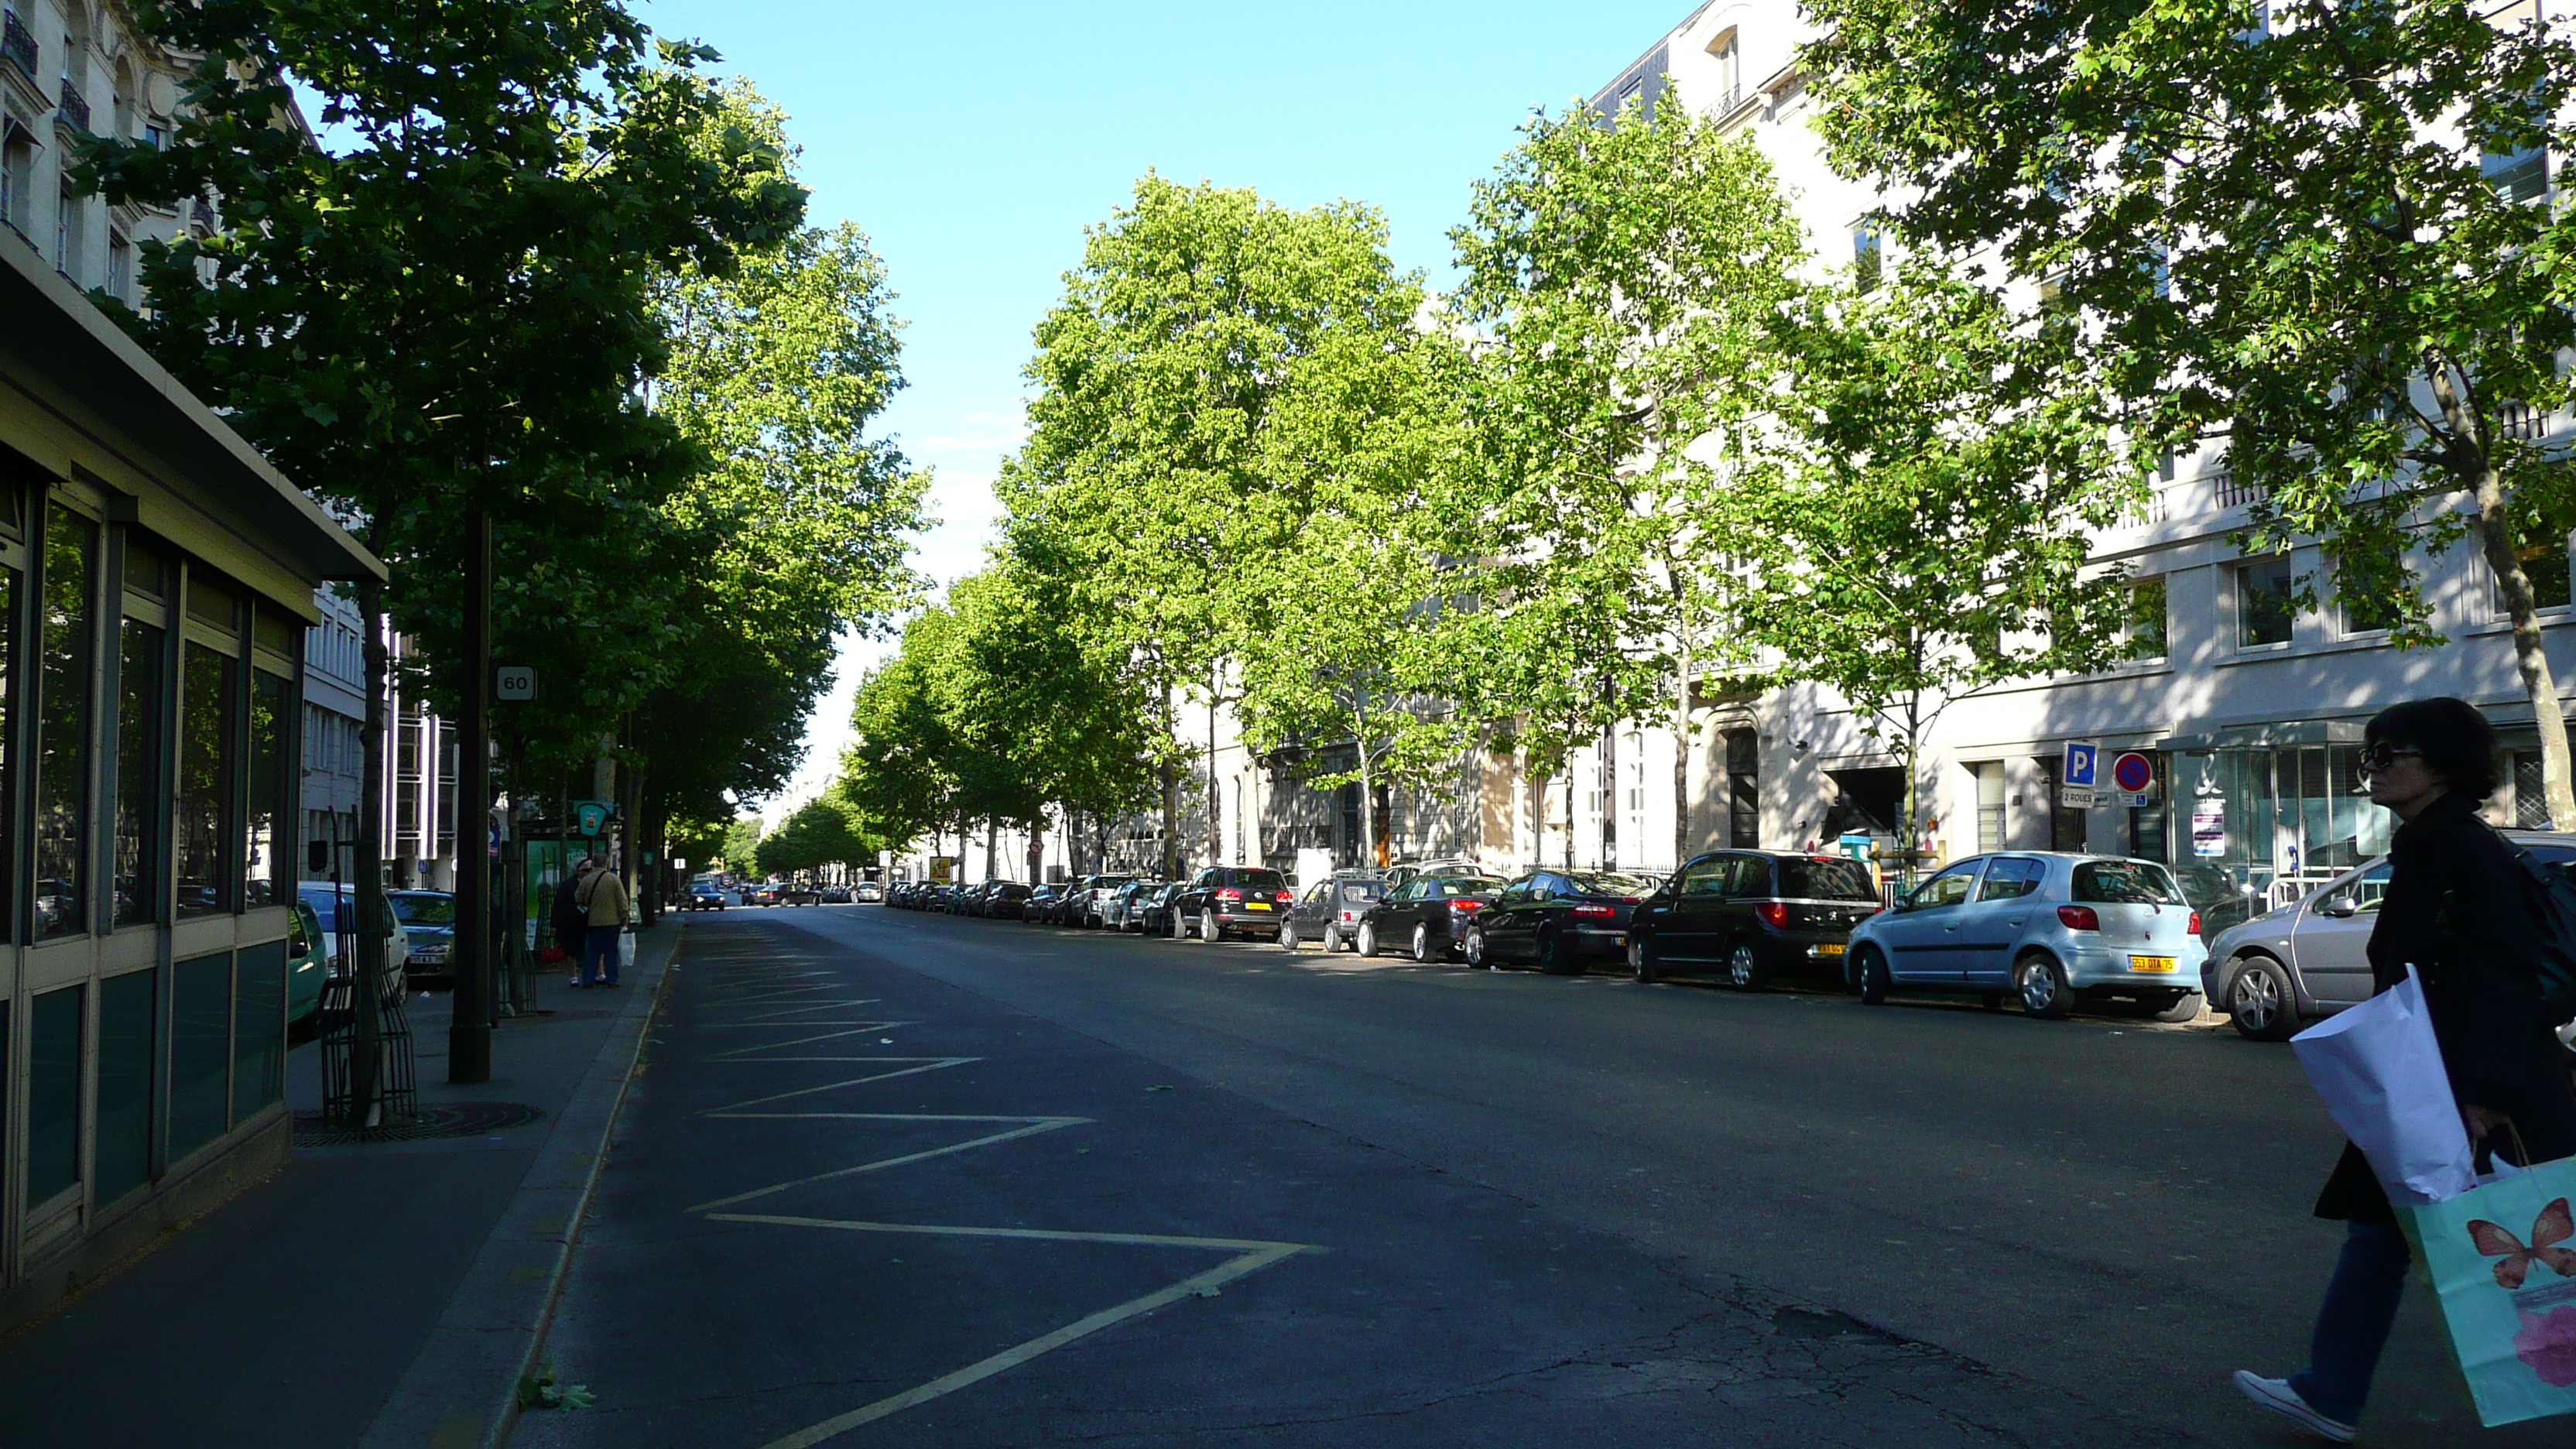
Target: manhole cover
x: 461, y: 1119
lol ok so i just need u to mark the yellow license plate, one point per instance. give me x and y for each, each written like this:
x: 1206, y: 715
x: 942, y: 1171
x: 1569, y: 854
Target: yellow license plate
x: 1260, y: 905
x: 2151, y: 963
x: 1830, y: 948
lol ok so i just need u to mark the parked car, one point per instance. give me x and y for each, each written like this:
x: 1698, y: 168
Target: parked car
x: 1120, y: 912
x: 1329, y: 911
x: 2289, y: 966
x: 1087, y: 907
x: 1004, y: 900
x: 2050, y: 927
x: 1227, y: 898
x: 867, y: 892
x: 1042, y: 901
x: 1405, y: 870
x: 760, y: 893
x: 1151, y: 909
x: 1428, y: 913
x: 1755, y: 914
x: 429, y: 936
x: 1559, y: 920
x: 704, y: 895
x: 836, y: 895
x: 330, y: 919
x: 794, y: 894
x: 308, y: 970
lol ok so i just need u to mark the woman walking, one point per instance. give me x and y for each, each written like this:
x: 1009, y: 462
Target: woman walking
x: 2456, y: 911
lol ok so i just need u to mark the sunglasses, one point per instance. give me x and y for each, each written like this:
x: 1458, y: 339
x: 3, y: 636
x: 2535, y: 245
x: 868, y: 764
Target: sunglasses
x: 2386, y: 757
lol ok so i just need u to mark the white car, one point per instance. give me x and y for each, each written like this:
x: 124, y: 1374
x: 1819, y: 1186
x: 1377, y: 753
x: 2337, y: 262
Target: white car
x: 327, y: 910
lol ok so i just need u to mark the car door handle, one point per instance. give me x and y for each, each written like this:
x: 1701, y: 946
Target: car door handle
x: 2017, y: 920
x: 1949, y: 930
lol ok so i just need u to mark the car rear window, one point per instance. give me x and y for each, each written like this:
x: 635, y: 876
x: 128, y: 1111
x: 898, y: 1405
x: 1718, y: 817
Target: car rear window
x: 1465, y: 885
x: 2125, y: 883
x: 1610, y: 883
x: 1809, y: 879
x: 1267, y: 880
x: 1363, y: 890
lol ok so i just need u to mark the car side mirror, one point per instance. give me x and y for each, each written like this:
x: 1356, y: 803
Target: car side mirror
x: 2339, y: 907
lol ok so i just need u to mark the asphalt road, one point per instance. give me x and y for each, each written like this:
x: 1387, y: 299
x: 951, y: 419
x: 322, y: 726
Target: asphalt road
x: 893, y: 1178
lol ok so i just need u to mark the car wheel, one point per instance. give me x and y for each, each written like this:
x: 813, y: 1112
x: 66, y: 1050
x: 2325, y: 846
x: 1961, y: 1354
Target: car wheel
x: 2260, y: 1000
x: 1556, y: 954
x: 2042, y: 984
x: 1332, y: 938
x: 1368, y: 939
x: 1287, y: 936
x: 1744, y: 968
x: 1209, y: 930
x: 1873, y: 979
x: 2185, y: 1007
x: 1643, y: 961
x: 1477, y: 960
x: 1422, y: 943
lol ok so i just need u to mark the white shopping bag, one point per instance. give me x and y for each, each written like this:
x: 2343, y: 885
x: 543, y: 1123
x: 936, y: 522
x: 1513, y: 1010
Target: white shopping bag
x: 2380, y: 1071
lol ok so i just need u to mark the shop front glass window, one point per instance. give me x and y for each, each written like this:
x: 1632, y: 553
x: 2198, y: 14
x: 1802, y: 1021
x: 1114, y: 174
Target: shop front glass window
x: 206, y: 766
x: 123, y: 1152
x: 62, y: 744
x: 201, y: 1001
x: 140, y: 698
x: 53, y: 1093
x: 268, y: 721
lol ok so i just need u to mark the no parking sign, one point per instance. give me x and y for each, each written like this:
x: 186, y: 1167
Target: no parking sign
x: 2135, y: 776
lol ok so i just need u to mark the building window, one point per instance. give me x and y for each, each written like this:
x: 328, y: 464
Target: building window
x: 2518, y: 175
x: 141, y: 697
x: 54, y: 1093
x: 1743, y: 790
x: 2263, y: 603
x: 120, y: 267
x: 1990, y: 805
x: 206, y: 767
x: 2544, y: 562
x: 1728, y: 51
x: 2530, y: 791
x: 2148, y: 625
x: 17, y: 177
x: 67, y: 231
x: 263, y: 846
x: 1865, y: 260
x: 122, y: 1151
x: 62, y: 724
x: 2066, y: 827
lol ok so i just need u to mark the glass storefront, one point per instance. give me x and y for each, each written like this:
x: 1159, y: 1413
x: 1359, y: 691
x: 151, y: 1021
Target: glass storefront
x: 2254, y: 826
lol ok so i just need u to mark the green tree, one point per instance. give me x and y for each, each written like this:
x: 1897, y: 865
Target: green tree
x: 818, y: 833
x: 899, y: 773
x: 741, y: 848
x: 1145, y: 477
x: 2319, y: 232
x: 1622, y: 273
x: 1923, y: 532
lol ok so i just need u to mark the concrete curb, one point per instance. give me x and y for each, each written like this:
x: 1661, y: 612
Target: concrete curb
x: 462, y: 1390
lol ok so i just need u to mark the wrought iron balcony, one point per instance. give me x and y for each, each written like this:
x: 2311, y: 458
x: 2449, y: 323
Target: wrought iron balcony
x: 18, y: 45
x: 75, y: 111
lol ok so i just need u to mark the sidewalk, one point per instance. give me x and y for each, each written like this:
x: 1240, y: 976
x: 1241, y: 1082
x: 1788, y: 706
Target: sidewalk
x: 376, y: 1293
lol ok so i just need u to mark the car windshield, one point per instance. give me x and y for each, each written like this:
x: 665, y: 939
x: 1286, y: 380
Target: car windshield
x: 1808, y: 878
x: 1609, y: 883
x: 1466, y: 885
x: 425, y: 910
x: 2125, y: 883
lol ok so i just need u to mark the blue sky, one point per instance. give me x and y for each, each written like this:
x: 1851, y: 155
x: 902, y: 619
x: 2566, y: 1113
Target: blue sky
x: 973, y: 143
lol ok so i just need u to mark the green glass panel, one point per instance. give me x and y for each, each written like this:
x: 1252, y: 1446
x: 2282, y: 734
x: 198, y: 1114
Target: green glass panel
x: 271, y: 712
x: 140, y: 701
x: 259, y: 1028
x: 201, y: 1041
x: 206, y: 765
x: 122, y: 1154
x: 62, y: 727
x: 53, y: 1093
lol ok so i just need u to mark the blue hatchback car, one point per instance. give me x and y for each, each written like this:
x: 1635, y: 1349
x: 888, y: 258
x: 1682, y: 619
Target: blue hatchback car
x: 2047, y: 927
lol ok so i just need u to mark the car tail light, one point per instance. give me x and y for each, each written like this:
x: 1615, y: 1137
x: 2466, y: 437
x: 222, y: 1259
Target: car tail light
x: 1350, y: 915
x: 1287, y: 898
x: 1589, y: 912
x: 2080, y: 918
x: 2195, y: 923
x: 1229, y: 894
x: 1774, y: 914
x: 1462, y: 907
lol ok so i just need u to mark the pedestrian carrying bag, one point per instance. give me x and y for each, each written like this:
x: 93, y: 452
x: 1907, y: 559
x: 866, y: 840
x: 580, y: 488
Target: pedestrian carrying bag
x: 2379, y: 1069
x: 2503, y: 1259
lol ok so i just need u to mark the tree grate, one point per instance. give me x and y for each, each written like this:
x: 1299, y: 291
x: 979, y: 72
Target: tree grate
x: 462, y: 1119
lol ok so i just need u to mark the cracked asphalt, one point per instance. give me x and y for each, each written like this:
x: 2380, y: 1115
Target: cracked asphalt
x: 1531, y: 1211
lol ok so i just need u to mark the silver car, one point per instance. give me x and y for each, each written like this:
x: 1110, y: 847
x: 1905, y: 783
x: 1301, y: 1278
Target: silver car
x: 2310, y: 958
x: 2045, y: 926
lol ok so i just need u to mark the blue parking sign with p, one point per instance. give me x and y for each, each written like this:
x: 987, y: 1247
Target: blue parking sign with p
x: 2081, y: 762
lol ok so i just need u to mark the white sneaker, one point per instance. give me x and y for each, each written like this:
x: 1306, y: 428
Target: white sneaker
x: 2277, y: 1396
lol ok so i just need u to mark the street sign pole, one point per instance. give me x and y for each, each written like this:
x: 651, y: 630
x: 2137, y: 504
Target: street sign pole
x: 469, y: 1031
x: 2077, y: 780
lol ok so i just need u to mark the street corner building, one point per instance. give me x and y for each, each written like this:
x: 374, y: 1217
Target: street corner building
x: 157, y: 578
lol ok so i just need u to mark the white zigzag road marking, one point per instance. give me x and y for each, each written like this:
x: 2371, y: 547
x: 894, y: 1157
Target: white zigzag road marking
x: 747, y: 1053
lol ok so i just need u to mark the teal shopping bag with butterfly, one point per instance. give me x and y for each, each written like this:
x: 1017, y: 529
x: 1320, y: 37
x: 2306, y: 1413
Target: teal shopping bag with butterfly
x: 2503, y: 1258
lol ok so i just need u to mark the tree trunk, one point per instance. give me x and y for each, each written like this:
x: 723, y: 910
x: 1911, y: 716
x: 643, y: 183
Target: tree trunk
x: 2495, y: 534
x: 992, y: 833
x: 1909, y: 752
x: 1037, y: 850
x: 1171, y: 792
x: 1368, y: 814
x: 1608, y: 775
x: 1682, y: 842
x: 366, y: 1051
x: 1216, y: 797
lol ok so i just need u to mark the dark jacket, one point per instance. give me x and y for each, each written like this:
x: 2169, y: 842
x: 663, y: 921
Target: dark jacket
x: 2456, y: 910
x: 571, y: 921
